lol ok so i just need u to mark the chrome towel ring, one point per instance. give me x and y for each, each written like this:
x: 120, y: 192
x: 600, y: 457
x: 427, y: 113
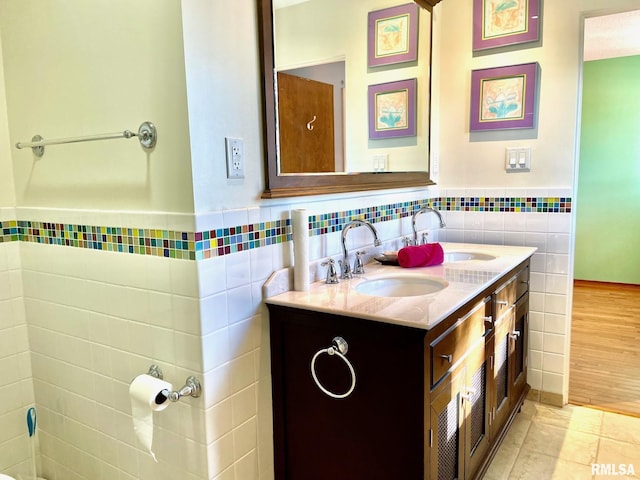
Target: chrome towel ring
x: 339, y: 348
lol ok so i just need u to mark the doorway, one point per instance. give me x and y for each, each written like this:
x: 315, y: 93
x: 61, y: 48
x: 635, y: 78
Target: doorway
x: 605, y: 332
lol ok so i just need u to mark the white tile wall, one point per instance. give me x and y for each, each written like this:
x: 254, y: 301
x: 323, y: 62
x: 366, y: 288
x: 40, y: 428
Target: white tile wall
x: 16, y: 391
x: 550, y: 273
x: 97, y: 320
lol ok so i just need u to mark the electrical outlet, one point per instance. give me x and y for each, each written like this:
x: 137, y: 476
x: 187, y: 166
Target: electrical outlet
x: 235, y: 157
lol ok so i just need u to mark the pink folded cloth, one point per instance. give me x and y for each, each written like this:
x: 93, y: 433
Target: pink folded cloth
x: 421, y: 255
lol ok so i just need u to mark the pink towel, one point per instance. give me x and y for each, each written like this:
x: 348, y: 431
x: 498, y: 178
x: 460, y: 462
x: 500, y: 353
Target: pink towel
x: 421, y: 255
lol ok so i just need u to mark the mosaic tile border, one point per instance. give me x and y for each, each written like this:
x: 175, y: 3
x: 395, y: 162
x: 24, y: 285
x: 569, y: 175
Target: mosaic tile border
x: 225, y: 241
x: 161, y: 243
x: 334, y: 221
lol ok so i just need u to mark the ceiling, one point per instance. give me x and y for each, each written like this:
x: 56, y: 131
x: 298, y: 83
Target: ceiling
x: 609, y: 36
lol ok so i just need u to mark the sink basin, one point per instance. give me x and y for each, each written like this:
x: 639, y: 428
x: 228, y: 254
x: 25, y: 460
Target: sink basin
x: 401, y: 286
x: 465, y: 256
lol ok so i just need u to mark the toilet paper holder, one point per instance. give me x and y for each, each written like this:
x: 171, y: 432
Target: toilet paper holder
x: 191, y: 388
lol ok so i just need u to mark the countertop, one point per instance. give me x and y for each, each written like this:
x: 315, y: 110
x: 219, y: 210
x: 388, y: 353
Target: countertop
x: 466, y: 279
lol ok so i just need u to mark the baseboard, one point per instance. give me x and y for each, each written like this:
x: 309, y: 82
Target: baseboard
x: 549, y: 398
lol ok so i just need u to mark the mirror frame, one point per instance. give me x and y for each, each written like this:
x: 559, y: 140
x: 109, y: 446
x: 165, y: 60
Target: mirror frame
x: 280, y: 186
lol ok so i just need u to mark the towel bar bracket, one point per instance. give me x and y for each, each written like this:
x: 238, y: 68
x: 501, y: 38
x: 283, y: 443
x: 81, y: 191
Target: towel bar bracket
x: 147, y: 134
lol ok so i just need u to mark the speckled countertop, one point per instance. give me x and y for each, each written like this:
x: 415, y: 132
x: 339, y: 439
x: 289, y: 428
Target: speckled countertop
x: 465, y: 279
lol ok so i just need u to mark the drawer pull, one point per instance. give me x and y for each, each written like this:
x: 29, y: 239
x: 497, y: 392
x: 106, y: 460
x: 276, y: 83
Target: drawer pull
x: 469, y: 395
x: 502, y: 303
x: 339, y: 348
x: 488, y: 319
x: 448, y: 358
x: 515, y: 334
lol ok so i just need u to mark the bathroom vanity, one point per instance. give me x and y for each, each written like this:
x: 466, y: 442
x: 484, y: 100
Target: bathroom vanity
x: 428, y: 385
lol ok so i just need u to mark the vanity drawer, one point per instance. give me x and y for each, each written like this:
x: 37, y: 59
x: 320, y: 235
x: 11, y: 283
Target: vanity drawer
x: 522, y: 282
x: 450, y: 347
x: 511, y: 291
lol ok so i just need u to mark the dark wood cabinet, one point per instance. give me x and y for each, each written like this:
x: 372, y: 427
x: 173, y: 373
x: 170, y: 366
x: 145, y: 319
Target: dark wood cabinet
x: 460, y: 439
x: 377, y: 432
x: 510, y: 347
x: 426, y: 403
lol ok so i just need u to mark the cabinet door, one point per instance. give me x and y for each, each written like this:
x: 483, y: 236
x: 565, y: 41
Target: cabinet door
x: 475, y: 401
x: 520, y: 344
x: 447, y: 455
x: 376, y: 432
x: 502, y: 375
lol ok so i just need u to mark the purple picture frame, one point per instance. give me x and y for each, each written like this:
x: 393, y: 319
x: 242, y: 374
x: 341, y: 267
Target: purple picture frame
x: 393, y: 35
x: 504, y: 98
x: 518, y: 22
x: 392, y: 109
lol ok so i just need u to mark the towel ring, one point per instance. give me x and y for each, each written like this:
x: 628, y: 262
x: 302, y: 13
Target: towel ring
x: 339, y: 348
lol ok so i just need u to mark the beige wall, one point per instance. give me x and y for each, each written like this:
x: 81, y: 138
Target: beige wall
x: 75, y: 68
x: 223, y: 95
x: 7, y: 194
x: 467, y: 163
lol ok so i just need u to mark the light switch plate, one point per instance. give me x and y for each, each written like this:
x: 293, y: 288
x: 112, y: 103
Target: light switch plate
x: 380, y: 162
x: 517, y: 159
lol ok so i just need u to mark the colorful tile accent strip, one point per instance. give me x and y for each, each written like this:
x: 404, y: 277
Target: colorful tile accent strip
x: 224, y: 241
x: 161, y: 243
x: 505, y: 204
x: 333, y: 222
x: 9, y: 231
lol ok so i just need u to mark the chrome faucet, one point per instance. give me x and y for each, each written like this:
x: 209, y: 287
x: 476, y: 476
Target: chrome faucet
x: 413, y: 222
x: 346, y: 268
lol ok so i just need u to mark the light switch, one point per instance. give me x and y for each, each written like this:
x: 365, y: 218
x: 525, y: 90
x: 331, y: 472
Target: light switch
x: 380, y: 162
x: 522, y: 159
x: 518, y: 159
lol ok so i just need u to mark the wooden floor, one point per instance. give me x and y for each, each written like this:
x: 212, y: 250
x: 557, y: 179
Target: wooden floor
x: 605, y: 347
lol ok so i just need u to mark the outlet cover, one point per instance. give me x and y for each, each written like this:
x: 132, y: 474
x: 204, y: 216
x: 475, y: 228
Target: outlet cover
x: 235, y: 157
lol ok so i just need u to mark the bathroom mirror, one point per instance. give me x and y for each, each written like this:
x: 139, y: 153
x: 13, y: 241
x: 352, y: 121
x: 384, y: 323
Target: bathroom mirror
x: 326, y: 42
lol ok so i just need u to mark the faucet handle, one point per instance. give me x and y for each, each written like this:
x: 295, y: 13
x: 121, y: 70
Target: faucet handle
x: 358, y: 267
x: 425, y: 239
x: 406, y: 241
x: 332, y: 275
x: 345, y: 269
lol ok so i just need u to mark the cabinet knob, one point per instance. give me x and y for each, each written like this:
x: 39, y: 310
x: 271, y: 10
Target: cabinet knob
x: 515, y: 334
x: 448, y: 358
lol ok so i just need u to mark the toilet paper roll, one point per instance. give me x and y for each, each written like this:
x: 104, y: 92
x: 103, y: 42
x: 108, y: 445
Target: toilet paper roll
x: 300, y: 223
x: 146, y: 397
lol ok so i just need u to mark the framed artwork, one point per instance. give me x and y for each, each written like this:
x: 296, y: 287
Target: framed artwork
x: 504, y: 97
x: 498, y: 23
x: 392, y: 109
x: 393, y: 35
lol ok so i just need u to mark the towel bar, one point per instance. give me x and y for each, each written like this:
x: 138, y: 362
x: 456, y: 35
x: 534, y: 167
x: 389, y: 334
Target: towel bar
x: 147, y: 134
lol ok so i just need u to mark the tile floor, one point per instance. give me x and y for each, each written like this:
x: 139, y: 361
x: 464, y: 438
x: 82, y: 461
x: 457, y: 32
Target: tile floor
x: 551, y: 443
